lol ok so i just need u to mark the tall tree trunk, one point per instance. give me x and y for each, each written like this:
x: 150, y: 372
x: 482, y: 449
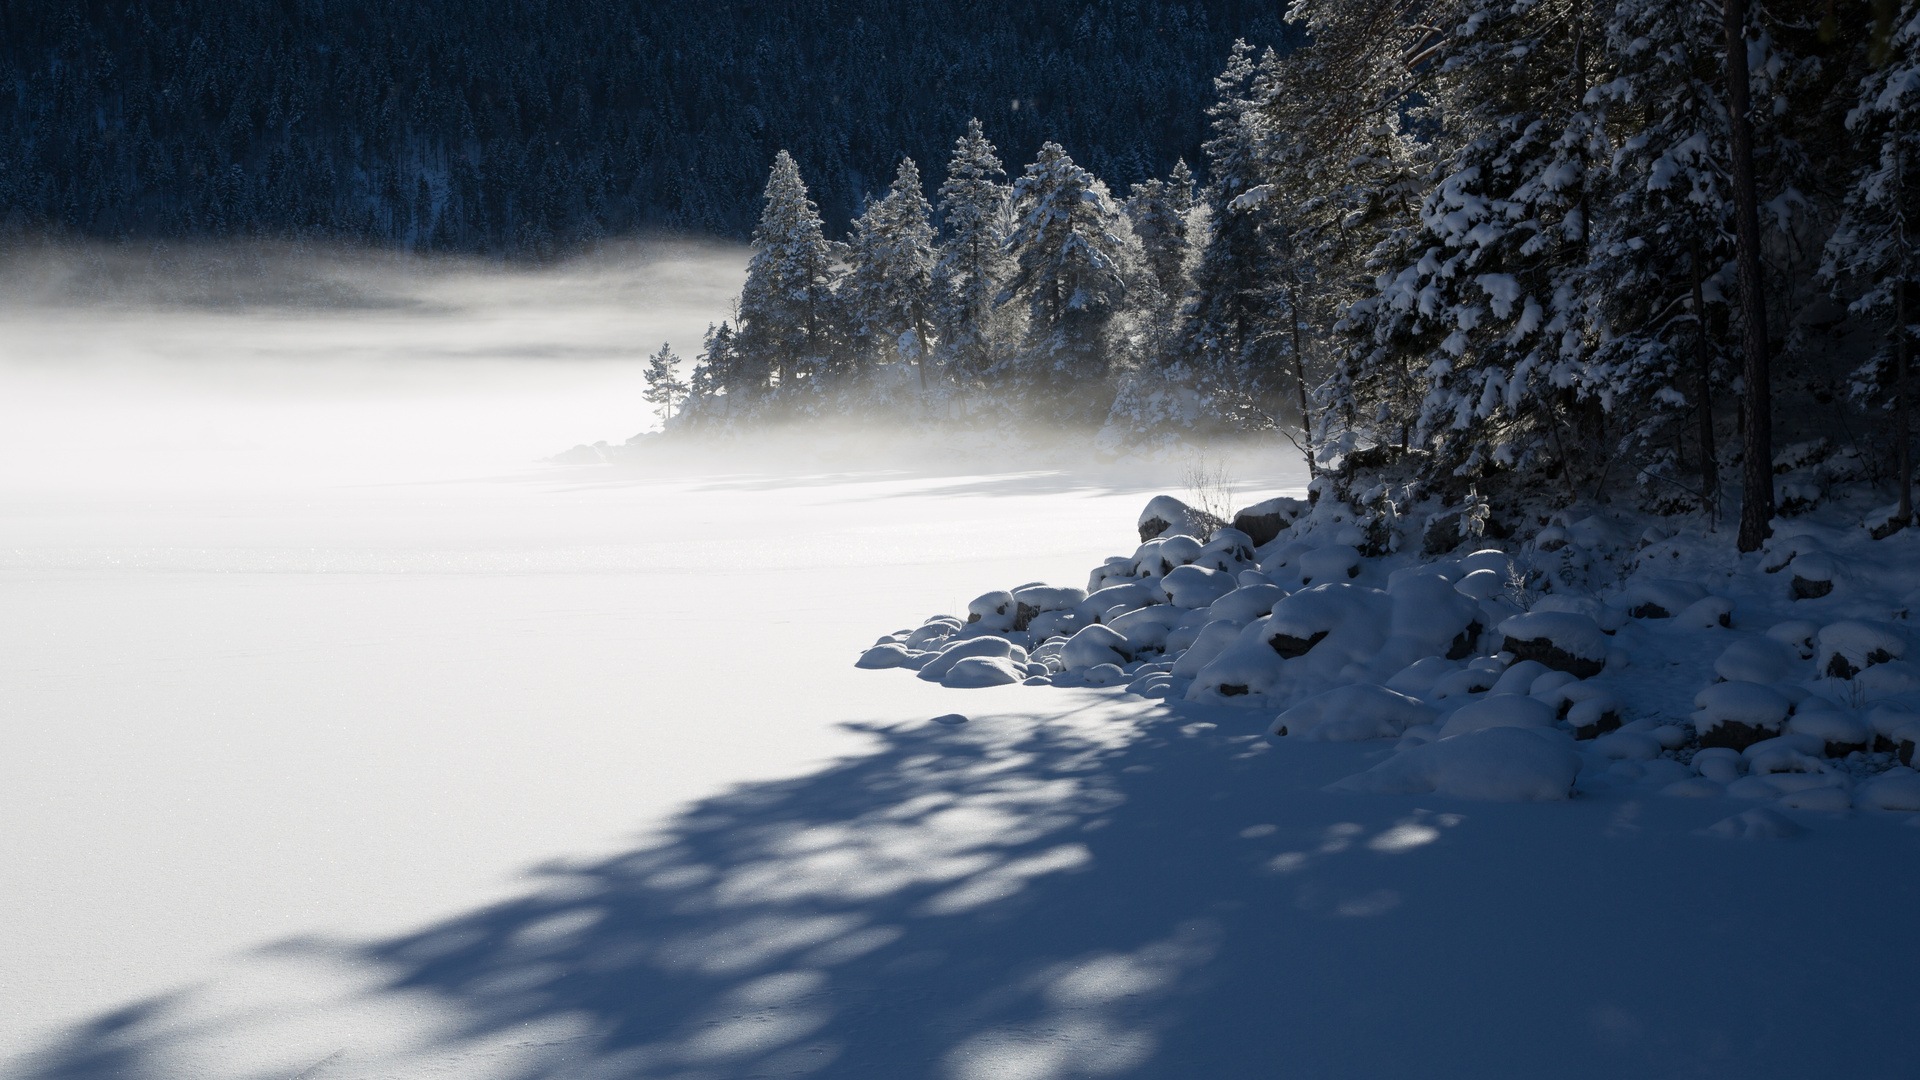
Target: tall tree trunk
x: 1903, y: 408
x: 1709, y: 459
x: 1756, y: 497
x: 1300, y: 373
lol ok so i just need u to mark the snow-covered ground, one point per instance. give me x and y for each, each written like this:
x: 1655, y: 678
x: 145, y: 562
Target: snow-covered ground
x: 339, y: 742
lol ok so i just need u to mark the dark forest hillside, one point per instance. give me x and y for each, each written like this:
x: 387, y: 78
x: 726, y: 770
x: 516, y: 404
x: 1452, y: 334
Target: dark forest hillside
x: 524, y: 127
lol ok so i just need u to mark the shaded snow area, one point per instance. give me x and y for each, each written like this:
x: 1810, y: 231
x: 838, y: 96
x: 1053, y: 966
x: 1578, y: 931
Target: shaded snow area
x: 1601, y: 658
x: 357, y: 765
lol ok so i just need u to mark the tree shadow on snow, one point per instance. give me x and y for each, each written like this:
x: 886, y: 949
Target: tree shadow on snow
x: 1139, y: 892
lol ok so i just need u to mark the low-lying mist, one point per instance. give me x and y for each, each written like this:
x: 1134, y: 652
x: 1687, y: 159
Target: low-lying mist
x: 257, y: 366
x: 276, y: 363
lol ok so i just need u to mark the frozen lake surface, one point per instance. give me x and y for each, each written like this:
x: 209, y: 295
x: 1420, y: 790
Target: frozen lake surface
x: 342, y: 741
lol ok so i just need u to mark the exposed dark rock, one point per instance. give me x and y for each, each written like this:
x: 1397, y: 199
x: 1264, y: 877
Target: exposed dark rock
x: 1810, y: 590
x: 1609, y: 721
x: 1842, y: 749
x: 1545, y: 651
x: 1650, y: 611
x: 1235, y: 690
x: 1839, y: 667
x: 1886, y: 528
x: 1153, y: 527
x: 1289, y: 646
x: 1465, y: 640
x: 1023, y: 615
x: 1735, y: 735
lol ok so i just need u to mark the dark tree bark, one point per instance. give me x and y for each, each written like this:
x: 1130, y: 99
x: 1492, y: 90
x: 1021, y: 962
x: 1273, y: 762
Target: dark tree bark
x: 1903, y: 420
x: 1709, y: 460
x: 1756, y: 500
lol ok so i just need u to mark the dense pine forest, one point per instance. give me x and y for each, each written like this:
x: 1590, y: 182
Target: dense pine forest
x: 528, y: 129
x: 1572, y: 249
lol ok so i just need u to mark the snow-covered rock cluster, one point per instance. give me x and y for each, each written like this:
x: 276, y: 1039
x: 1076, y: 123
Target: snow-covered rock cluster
x: 1578, y: 660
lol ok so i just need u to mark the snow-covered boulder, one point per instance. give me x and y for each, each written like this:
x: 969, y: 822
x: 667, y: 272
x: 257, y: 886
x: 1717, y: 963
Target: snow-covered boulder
x: 1302, y: 620
x: 1329, y: 564
x: 1263, y: 521
x: 1813, y: 576
x: 994, y: 611
x: 1158, y: 558
x: 1846, y: 648
x: 1707, y: 613
x: 1760, y: 660
x: 1195, y: 586
x: 1213, y: 639
x: 1419, y: 677
x: 1519, y: 678
x: 936, y: 668
x: 1230, y: 551
x: 1034, y: 600
x: 932, y: 633
x: 1246, y: 603
x: 1429, y: 619
x: 1591, y: 711
x: 1607, y: 618
x: 1738, y: 714
x: 1896, y: 789
x: 1561, y: 640
x: 1351, y: 714
x: 1660, y: 598
x: 974, y: 672
x: 1123, y: 597
x: 1049, y: 624
x: 1795, y: 634
x: 1887, y: 721
x: 1840, y: 732
x: 1498, y: 710
x: 887, y: 655
x: 1165, y: 514
x: 1499, y: 764
x: 1720, y: 764
x: 1146, y: 629
x: 1093, y: 646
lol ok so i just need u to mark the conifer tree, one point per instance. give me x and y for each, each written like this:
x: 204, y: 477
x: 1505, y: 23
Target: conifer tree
x: 1662, y: 226
x: 1071, y: 270
x: 1876, y: 248
x: 966, y: 277
x: 887, y: 293
x: 664, y: 388
x: 1157, y: 209
x: 1492, y: 301
x: 787, y: 310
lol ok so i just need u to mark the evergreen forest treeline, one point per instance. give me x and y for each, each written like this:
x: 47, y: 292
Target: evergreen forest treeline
x: 1464, y: 243
x: 530, y: 127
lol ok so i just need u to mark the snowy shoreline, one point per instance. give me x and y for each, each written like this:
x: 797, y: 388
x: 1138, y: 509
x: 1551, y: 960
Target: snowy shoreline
x: 1598, y: 654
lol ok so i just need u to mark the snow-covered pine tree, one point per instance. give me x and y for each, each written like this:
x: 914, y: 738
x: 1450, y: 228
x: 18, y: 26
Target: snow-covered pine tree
x: 721, y: 378
x: 1219, y: 345
x: 1070, y: 250
x: 1180, y: 187
x: 664, y: 388
x: 1158, y: 211
x: 1875, y: 251
x: 1663, y: 236
x: 787, y: 311
x: 887, y: 293
x: 968, y: 272
x: 1336, y: 172
x: 1494, y: 304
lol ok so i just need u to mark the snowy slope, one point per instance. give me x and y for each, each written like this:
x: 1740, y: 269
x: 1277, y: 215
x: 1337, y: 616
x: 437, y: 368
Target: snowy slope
x: 568, y: 773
